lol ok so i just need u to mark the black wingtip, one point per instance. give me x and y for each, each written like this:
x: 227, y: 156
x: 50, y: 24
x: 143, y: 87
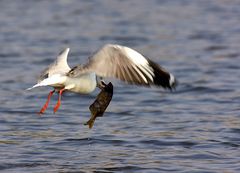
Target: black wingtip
x: 162, y: 77
x: 173, y: 86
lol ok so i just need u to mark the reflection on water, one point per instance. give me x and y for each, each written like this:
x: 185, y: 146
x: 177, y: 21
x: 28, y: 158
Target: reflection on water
x: 192, y: 129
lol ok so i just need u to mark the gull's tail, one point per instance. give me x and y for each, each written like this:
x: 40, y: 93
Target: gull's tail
x: 56, y: 79
x: 34, y: 86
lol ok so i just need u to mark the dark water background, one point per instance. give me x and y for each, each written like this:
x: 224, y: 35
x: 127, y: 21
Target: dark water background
x: 195, y: 129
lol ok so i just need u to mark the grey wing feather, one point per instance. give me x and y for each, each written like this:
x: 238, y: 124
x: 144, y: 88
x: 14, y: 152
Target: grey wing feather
x: 110, y: 61
x: 125, y: 64
x: 60, y: 65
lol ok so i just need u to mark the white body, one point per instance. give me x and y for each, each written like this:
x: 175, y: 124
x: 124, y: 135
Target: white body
x: 84, y: 84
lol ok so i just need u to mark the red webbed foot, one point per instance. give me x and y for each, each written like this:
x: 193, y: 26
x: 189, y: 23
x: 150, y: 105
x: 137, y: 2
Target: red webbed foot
x: 59, y: 101
x: 47, y: 102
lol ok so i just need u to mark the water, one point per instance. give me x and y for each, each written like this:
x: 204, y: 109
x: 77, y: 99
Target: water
x: 193, y: 129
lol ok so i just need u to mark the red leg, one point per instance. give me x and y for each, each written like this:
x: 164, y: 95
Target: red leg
x: 59, y: 101
x: 47, y: 102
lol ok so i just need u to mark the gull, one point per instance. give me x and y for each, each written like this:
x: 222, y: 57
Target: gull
x: 111, y: 60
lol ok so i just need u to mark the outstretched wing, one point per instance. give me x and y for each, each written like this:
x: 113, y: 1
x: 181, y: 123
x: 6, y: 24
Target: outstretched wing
x: 59, y: 66
x: 125, y: 64
x: 55, y: 73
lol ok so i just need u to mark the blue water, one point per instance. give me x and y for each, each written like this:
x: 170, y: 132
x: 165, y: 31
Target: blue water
x: 194, y: 129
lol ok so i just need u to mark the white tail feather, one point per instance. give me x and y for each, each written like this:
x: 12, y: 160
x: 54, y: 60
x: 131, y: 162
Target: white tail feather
x: 56, y: 79
x: 34, y: 86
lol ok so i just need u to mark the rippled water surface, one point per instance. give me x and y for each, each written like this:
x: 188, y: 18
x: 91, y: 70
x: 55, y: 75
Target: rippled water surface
x: 193, y: 129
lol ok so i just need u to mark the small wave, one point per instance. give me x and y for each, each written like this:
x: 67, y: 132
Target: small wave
x: 215, y: 48
x: 202, y: 89
x: 206, y: 35
x: 227, y: 55
x: 120, y: 169
x: 125, y: 40
x: 205, y: 156
x: 17, y: 112
x: 226, y: 143
x: 122, y: 38
x: 85, y: 141
x: 185, y: 144
x: 9, y: 55
x: 5, y: 166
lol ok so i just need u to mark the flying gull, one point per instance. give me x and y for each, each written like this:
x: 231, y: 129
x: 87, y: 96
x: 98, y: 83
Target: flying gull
x: 111, y: 60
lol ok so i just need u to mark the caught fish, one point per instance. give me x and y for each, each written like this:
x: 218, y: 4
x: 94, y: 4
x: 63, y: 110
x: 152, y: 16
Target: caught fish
x: 101, y: 103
